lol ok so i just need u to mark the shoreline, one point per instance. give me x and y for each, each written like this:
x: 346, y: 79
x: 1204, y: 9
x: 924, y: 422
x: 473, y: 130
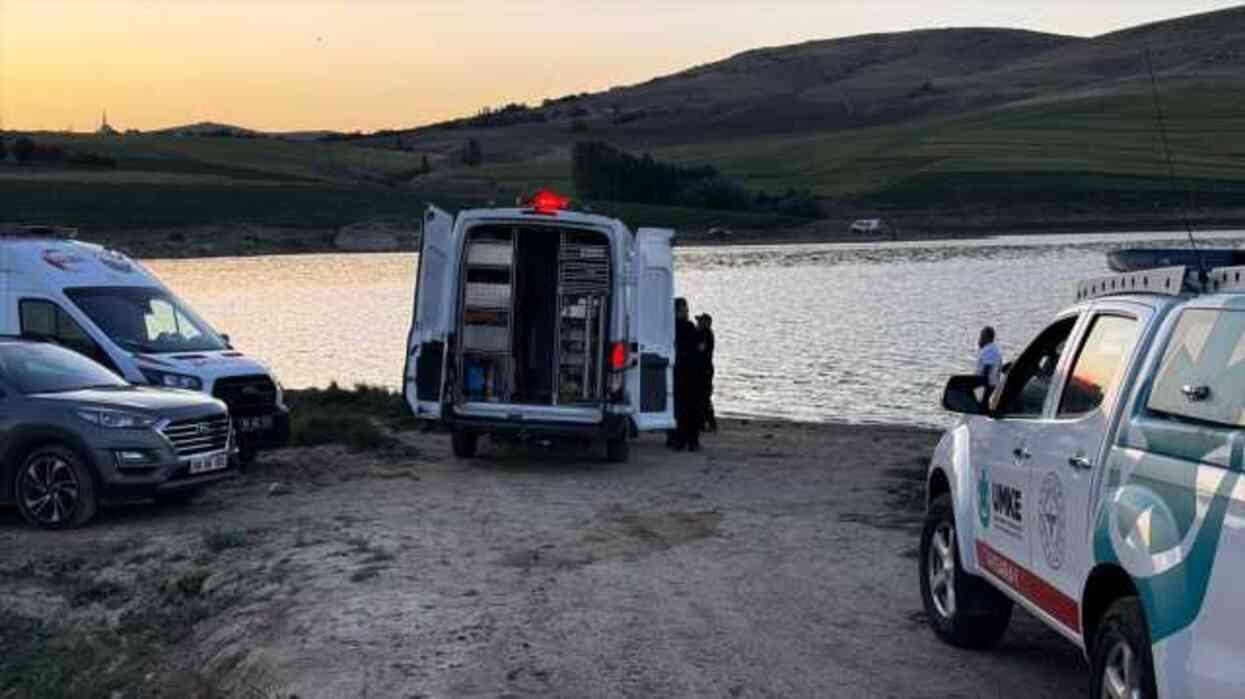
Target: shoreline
x: 243, y: 240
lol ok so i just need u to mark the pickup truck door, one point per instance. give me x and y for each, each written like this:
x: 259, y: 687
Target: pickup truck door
x: 1004, y: 448
x: 650, y: 383
x: 425, y: 346
x: 1064, y: 464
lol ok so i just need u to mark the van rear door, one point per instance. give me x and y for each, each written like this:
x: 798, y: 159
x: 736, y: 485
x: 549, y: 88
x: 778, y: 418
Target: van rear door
x: 425, y: 347
x: 651, y: 384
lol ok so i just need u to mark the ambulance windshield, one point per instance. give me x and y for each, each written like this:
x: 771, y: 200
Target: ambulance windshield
x: 145, y: 319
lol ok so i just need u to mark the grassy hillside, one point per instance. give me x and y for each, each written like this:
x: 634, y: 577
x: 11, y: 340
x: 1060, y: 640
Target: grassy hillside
x: 1105, y: 136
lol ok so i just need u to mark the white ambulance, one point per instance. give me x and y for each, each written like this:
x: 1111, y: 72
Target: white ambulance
x: 1101, y: 489
x: 542, y: 322
x: 112, y: 309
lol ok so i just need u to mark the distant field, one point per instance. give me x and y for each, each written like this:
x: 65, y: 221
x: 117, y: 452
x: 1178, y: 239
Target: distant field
x: 1111, y: 136
x: 132, y: 206
x: 241, y: 157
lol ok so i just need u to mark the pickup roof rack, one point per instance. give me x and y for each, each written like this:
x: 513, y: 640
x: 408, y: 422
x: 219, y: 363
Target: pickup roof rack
x: 1173, y: 280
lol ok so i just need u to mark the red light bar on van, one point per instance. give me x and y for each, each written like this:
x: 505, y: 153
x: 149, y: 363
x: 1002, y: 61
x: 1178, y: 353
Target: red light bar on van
x: 547, y: 202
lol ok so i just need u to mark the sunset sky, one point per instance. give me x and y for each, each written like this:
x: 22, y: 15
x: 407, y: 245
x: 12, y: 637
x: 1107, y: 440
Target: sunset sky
x: 370, y: 64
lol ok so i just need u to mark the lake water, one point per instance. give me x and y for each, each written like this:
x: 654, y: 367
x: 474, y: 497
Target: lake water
x: 836, y: 332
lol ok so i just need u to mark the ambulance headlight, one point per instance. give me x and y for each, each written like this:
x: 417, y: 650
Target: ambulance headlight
x: 171, y: 380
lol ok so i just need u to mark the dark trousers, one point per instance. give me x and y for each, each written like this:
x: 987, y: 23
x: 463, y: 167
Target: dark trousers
x: 689, y: 417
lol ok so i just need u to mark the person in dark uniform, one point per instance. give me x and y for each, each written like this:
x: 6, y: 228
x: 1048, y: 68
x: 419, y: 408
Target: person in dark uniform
x: 689, y: 381
x: 704, y: 324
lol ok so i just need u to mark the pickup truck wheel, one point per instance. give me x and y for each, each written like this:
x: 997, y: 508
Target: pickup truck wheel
x: 54, y: 489
x: 618, y: 450
x: 464, y: 444
x: 963, y: 610
x: 1123, y: 667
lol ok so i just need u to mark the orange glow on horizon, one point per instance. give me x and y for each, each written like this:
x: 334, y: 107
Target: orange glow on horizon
x: 372, y: 64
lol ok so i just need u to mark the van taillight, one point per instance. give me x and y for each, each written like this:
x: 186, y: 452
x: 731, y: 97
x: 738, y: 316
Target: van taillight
x: 618, y: 356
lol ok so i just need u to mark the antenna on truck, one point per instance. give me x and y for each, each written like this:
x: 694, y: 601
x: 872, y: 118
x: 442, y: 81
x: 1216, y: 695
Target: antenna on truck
x: 1171, y: 169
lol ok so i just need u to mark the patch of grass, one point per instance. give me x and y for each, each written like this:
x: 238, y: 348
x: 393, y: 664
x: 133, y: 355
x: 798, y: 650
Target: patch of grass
x: 335, y: 415
x: 337, y: 426
x: 217, y: 540
x: 186, y: 585
x: 376, y: 401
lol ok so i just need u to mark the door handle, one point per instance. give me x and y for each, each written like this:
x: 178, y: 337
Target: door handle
x: 1080, y: 463
x: 1195, y: 394
x: 1021, y: 453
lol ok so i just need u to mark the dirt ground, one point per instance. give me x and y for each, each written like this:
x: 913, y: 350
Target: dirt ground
x: 779, y: 561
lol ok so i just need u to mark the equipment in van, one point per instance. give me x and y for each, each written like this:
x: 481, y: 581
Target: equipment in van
x: 111, y: 308
x: 541, y: 321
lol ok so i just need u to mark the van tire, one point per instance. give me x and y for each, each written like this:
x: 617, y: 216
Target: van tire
x: 975, y: 615
x: 1123, y: 627
x: 618, y: 450
x: 464, y: 444
x: 67, y: 472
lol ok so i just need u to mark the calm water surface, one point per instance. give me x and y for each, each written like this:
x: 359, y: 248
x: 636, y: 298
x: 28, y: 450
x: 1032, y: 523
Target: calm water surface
x: 855, y: 333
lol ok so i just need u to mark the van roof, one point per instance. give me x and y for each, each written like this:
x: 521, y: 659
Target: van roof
x: 59, y: 263
x: 567, y: 216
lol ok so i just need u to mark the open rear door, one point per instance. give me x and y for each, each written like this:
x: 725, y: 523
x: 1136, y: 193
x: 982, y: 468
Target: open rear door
x: 651, y: 384
x: 425, y: 346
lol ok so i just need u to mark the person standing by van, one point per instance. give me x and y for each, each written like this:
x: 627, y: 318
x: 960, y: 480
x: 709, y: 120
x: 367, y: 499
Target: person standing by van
x: 989, y: 363
x: 688, y: 380
x: 704, y: 325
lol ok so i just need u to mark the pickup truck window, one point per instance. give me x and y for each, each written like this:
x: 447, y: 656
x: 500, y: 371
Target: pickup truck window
x: 1202, y: 375
x: 1099, y: 365
x: 1029, y: 381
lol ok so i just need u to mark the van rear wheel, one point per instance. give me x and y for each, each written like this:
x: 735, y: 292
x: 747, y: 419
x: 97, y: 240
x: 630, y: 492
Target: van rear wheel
x: 963, y: 610
x: 464, y: 444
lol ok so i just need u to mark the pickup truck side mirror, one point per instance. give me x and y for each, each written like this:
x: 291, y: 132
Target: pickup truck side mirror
x: 228, y: 342
x: 960, y: 395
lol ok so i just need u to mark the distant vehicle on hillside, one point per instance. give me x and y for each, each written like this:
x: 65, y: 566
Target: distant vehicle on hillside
x: 866, y: 226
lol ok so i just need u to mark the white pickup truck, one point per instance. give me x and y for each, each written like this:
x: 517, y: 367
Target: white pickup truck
x: 1101, y: 488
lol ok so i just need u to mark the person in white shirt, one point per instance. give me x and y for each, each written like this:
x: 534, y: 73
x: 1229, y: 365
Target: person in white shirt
x: 989, y: 362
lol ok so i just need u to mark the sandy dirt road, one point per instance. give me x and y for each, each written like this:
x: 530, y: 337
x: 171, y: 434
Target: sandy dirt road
x: 780, y: 561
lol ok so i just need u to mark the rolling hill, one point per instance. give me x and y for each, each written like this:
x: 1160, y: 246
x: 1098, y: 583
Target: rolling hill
x: 947, y: 128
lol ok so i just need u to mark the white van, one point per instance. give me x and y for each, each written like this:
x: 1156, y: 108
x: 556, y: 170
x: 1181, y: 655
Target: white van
x: 542, y: 322
x: 114, y: 310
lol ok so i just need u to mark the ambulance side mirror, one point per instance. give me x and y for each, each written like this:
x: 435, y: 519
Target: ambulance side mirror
x: 960, y: 395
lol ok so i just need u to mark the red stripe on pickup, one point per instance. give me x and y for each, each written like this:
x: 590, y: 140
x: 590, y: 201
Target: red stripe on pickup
x: 1047, y: 597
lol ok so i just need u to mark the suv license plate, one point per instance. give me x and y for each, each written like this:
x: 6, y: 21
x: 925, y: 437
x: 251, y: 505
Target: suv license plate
x: 255, y: 424
x: 206, y: 464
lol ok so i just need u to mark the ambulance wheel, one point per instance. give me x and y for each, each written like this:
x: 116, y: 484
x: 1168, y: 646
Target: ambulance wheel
x: 1121, y: 660
x: 618, y: 450
x: 464, y: 444
x: 962, y: 609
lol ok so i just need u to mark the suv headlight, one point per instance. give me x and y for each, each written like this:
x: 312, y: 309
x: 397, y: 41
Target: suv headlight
x: 116, y: 419
x: 170, y: 380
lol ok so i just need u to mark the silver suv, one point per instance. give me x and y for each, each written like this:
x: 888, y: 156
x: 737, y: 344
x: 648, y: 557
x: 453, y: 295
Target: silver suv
x: 74, y: 434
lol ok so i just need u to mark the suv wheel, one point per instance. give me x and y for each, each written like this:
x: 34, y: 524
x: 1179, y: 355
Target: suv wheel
x: 464, y: 444
x: 963, y: 610
x: 1123, y: 667
x: 54, y: 489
